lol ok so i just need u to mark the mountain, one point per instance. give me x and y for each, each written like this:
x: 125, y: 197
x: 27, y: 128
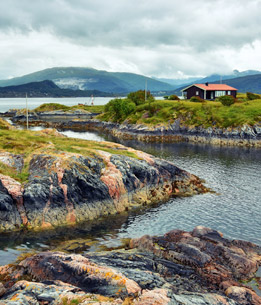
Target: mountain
x: 46, y: 88
x: 91, y: 79
x: 218, y: 77
x: 248, y: 83
x: 176, y: 82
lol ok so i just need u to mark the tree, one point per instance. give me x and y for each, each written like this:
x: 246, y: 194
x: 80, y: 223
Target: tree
x: 138, y: 97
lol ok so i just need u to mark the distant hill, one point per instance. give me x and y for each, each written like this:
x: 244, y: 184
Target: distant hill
x: 249, y: 83
x: 46, y: 88
x: 177, y: 83
x: 91, y: 79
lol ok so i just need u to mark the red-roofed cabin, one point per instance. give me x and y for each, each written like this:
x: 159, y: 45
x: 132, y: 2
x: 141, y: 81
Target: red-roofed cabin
x: 208, y: 91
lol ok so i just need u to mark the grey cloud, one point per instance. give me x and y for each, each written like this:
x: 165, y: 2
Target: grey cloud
x: 152, y: 37
x: 201, y: 24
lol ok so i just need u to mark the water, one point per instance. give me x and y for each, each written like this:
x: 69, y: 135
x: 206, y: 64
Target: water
x: 20, y: 103
x: 234, y: 173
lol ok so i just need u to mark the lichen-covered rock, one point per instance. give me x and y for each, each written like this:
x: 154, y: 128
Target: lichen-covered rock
x: 150, y: 273
x: 12, y: 160
x: 53, y: 293
x: 78, y: 271
x: 155, y: 297
x: 220, y: 263
x: 67, y: 188
x: 12, y: 213
x: 243, y: 296
x: 2, y: 289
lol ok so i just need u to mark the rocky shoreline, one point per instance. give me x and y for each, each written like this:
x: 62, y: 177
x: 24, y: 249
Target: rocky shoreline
x: 200, y: 267
x: 65, y: 188
x: 245, y: 135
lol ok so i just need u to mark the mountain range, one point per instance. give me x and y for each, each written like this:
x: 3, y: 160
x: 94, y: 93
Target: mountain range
x: 91, y: 79
x: 46, y: 88
x: 76, y: 82
x: 176, y: 82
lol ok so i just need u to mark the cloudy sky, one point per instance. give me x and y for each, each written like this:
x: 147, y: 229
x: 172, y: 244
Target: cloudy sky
x: 162, y: 38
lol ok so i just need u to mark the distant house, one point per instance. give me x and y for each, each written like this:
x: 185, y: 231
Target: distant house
x: 208, y: 91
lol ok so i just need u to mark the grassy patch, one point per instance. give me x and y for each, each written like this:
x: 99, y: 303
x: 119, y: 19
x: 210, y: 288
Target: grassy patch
x: 28, y: 142
x: 4, y: 124
x: 206, y: 114
x: 57, y: 106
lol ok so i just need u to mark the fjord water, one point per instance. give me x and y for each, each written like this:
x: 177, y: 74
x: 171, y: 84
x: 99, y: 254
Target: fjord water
x: 235, y: 209
x: 19, y: 103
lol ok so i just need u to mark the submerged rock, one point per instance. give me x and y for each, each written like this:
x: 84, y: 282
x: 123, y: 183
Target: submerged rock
x: 170, y: 269
x: 67, y: 188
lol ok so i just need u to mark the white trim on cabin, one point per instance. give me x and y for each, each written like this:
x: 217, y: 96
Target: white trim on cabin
x: 192, y: 86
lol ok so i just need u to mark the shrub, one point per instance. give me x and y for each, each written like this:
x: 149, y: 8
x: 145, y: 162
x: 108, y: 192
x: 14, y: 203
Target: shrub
x: 166, y: 97
x: 227, y: 100
x: 251, y: 96
x: 138, y: 97
x: 197, y: 99
x: 174, y: 97
x: 120, y: 109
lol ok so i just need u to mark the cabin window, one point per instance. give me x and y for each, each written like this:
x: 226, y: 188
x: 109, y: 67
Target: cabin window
x: 220, y: 93
x: 229, y: 93
x: 197, y: 92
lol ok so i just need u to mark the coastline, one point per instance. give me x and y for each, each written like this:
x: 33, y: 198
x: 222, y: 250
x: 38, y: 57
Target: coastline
x: 68, y: 183
x: 246, y: 135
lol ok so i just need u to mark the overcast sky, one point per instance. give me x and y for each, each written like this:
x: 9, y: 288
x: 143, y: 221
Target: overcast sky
x: 162, y: 38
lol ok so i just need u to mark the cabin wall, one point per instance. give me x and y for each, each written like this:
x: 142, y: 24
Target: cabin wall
x: 192, y: 92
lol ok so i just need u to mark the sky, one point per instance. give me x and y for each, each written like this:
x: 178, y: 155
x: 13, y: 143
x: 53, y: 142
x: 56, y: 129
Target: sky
x: 160, y: 38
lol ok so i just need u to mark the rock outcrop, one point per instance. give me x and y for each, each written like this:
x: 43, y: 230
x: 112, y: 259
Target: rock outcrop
x: 180, y: 268
x: 65, y: 188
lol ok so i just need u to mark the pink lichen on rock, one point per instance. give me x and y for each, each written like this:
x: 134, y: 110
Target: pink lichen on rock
x: 75, y: 269
x: 112, y: 177
x: 71, y: 217
x: 15, y: 190
x: 142, y: 155
x: 242, y: 295
x: 153, y: 297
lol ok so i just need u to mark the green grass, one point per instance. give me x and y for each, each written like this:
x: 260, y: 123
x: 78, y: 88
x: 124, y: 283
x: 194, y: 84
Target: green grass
x: 28, y: 142
x: 206, y: 114
x: 56, y: 106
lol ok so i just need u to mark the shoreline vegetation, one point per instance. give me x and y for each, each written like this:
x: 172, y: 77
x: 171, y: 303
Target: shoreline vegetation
x: 226, y: 121
x: 246, y: 109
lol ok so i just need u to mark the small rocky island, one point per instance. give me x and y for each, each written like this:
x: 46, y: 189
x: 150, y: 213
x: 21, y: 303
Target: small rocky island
x: 199, y: 267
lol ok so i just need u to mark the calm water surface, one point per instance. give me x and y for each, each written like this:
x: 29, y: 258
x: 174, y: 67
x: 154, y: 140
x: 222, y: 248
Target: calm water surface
x: 19, y: 103
x: 234, y: 173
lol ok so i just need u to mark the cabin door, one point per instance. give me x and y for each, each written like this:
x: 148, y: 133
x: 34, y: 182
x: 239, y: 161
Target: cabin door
x: 212, y: 95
